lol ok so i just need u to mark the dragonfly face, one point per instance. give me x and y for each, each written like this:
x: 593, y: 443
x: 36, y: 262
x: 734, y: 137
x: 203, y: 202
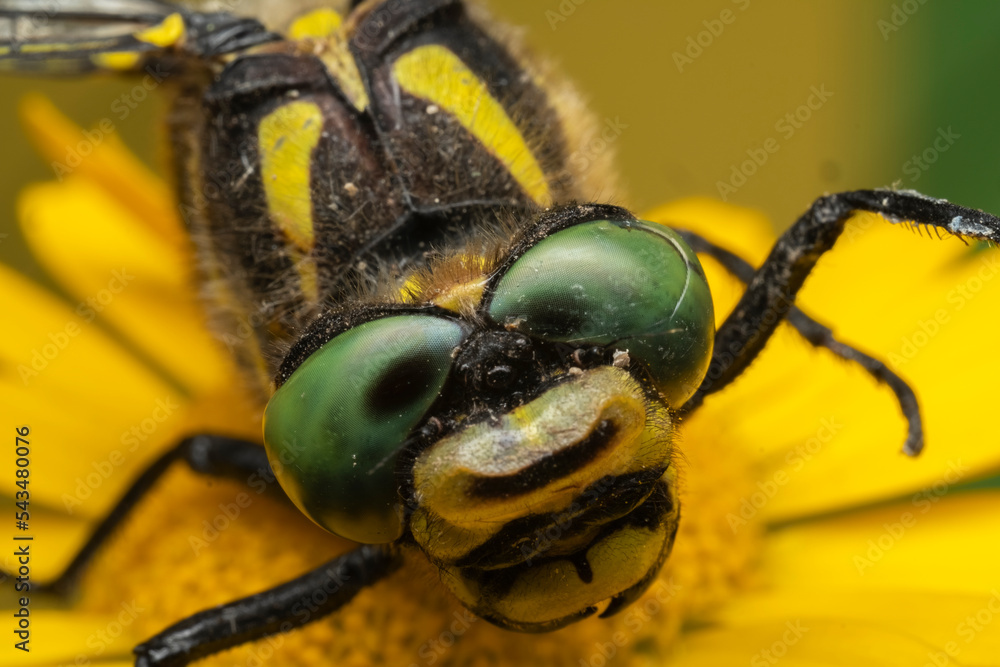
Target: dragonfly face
x: 521, y: 434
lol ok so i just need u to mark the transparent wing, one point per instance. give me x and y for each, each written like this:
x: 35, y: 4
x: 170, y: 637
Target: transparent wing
x: 73, y: 36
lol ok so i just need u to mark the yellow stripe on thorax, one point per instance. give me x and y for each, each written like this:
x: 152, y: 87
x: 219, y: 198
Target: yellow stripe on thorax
x: 323, y: 29
x: 287, y: 137
x: 317, y: 23
x: 434, y: 73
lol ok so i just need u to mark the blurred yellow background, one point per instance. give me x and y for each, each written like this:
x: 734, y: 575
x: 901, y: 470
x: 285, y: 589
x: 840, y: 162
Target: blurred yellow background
x: 694, y: 86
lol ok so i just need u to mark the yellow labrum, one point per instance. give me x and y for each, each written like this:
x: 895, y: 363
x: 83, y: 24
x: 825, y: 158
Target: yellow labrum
x: 473, y: 483
x: 287, y: 138
x: 437, y: 75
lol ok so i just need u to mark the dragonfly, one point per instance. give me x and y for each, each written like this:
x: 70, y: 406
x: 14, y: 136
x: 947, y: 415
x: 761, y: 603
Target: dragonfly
x: 457, y: 349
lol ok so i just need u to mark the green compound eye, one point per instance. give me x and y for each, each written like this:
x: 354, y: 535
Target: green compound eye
x: 334, y: 430
x: 635, y: 285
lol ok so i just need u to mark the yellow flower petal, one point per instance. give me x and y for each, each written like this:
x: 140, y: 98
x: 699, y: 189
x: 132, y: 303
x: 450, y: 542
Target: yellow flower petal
x: 84, y: 398
x: 67, y: 638
x: 964, y: 627
x: 944, y: 543
x: 99, y: 155
x: 124, y: 273
x: 798, y: 642
x: 56, y: 539
x: 743, y: 231
x: 930, y: 308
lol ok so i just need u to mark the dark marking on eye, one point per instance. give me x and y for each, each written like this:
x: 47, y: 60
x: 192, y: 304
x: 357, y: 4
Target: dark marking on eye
x: 582, y: 565
x: 398, y: 387
x: 552, y: 467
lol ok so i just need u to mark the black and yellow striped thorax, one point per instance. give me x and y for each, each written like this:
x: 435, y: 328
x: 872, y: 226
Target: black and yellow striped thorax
x: 353, y: 147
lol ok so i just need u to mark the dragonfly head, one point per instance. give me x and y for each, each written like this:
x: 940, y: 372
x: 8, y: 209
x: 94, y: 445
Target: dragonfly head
x: 526, y: 446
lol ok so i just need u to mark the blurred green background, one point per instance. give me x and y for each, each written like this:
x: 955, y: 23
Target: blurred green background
x: 897, y: 74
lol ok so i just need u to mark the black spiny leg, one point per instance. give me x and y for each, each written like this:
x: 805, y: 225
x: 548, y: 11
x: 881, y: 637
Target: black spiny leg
x: 821, y: 336
x: 279, y: 609
x: 213, y: 455
x: 276, y: 610
x: 771, y: 293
